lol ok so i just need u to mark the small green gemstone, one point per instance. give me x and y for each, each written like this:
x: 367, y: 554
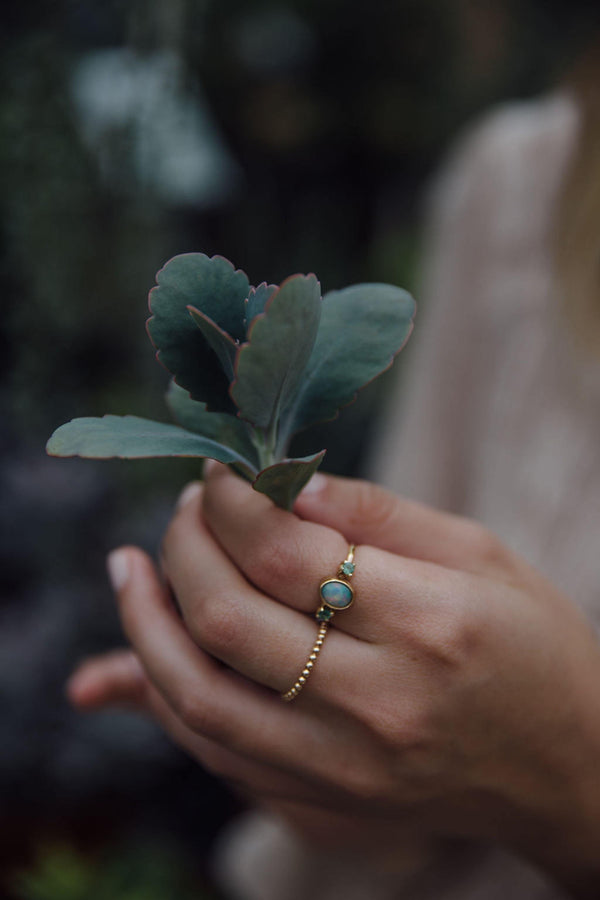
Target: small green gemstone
x: 347, y: 568
x: 324, y: 614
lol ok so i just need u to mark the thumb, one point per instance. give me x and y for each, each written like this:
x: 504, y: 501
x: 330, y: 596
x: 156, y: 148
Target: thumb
x: 366, y: 513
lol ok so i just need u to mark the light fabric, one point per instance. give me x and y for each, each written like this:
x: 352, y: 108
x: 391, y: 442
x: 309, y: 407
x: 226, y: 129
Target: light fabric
x: 498, y: 418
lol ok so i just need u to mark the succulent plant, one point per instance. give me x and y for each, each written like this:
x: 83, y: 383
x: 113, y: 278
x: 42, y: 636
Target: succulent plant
x: 250, y: 366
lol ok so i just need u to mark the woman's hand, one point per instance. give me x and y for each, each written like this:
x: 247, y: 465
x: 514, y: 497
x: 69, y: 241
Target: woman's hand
x: 457, y: 697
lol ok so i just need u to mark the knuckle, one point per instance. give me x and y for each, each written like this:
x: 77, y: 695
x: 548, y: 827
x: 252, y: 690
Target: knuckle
x: 453, y: 639
x: 201, y: 717
x: 365, y: 787
x: 406, y: 749
x: 398, y: 731
x: 221, y: 625
x: 216, y: 760
x: 272, y: 562
x: 192, y: 713
x: 349, y: 778
x: 484, y: 546
x: 392, y: 726
x: 373, y: 507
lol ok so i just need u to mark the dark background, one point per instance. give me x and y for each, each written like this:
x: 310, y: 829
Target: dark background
x: 290, y: 136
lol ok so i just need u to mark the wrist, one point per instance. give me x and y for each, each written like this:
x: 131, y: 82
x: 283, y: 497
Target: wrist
x: 564, y: 839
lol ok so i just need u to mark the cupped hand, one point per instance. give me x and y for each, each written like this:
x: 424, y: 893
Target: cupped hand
x: 457, y: 697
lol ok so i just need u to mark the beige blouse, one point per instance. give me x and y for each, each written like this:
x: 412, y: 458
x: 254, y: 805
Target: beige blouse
x: 495, y: 417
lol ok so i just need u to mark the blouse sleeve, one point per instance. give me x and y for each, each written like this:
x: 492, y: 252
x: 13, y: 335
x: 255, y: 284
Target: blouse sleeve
x: 422, y: 449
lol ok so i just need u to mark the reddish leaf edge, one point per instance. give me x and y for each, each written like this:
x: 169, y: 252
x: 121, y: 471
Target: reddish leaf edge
x: 157, y: 286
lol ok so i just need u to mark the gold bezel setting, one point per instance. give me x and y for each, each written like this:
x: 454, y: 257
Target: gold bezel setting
x: 336, y: 607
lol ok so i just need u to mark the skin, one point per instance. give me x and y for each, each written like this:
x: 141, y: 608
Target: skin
x: 457, y: 698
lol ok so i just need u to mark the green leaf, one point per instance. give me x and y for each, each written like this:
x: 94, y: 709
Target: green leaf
x: 222, y: 344
x: 212, y: 285
x: 362, y: 329
x: 257, y: 299
x: 283, y: 481
x: 221, y: 427
x: 219, y: 291
x: 130, y: 437
x: 270, y: 368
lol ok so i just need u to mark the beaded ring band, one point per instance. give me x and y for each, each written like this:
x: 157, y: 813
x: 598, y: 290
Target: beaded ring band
x: 335, y: 594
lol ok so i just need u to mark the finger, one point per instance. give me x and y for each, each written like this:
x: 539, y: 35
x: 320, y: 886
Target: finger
x: 368, y: 514
x: 283, y: 556
x: 210, y: 700
x: 229, y: 618
x: 118, y: 679
x: 240, y: 772
x: 248, y: 720
x: 111, y: 679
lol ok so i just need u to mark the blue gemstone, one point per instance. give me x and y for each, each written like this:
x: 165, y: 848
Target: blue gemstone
x: 336, y: 594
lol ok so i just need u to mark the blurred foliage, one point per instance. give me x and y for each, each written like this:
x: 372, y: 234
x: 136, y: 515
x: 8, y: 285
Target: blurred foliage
x: 130, y: 873
x: 332, y: 117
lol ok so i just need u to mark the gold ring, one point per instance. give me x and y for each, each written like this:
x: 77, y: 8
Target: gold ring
x: 335, y: 594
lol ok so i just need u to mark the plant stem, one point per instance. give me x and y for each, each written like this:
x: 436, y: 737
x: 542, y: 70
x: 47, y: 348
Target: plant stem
x: 265, y: 441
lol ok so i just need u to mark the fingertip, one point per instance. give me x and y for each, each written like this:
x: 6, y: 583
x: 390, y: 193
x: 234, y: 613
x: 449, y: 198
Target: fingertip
x: 315, y: 486
x: 113, y: 678
x: 81, y: 688
x: 212, y: 467
x: 188, y: 494
x: 118, y: 566
x: 225, y: 489
x: 127, y: 567
x: 313, y: 494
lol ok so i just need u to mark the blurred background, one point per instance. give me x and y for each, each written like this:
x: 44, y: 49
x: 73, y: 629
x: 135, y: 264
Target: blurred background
x: 287, y: 136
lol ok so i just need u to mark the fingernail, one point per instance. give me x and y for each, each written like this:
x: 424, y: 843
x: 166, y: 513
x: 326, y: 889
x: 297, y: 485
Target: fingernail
x: 315, y: 485
x: 117, y: 564
x: 209, y: 467
x: 190, y: 491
